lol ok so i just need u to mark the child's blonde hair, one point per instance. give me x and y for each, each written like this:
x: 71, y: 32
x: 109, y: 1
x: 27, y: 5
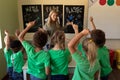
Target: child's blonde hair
x: 91, y: 50
x: 59, y: 38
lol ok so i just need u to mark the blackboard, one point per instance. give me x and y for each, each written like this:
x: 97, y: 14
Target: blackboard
x: 75, y: 14
x: 31, y: 13
x: 58, y: 8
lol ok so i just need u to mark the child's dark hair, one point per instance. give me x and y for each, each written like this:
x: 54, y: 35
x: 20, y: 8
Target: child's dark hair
x: 15, y: 45
x: 98, y: 37
x: 59, y: 38
x: 40, y: 38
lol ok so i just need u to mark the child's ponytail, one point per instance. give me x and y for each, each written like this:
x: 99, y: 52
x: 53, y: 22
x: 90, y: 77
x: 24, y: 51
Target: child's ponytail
x: 90, y: 48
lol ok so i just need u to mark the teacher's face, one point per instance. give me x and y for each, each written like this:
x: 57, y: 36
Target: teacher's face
x: 54, y: 17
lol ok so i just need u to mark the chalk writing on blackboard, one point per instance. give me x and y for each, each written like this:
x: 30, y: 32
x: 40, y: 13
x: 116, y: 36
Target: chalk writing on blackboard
x: 75, y: 14
x: 58, y: 8
x: 31, y: 13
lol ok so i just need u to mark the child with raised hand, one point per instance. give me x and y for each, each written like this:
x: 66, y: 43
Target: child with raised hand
x: 38, y: 59
x: 86, y: 67
x: 7, y: 53
x: 98, y: 37
x: 17, y: 59
x: 59, y: 56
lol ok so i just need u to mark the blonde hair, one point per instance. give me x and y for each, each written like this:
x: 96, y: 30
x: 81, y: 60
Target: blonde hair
x: 50, y: 22
x: 91, y: 50
x: 59, y: 38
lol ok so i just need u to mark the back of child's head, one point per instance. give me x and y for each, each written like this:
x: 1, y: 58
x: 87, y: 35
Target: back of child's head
x: 15, y: 45
x: 90, y: 49
x: 12, y: 38
x: 40, y: 38
x: 59, y: 38
x: 98, y: 37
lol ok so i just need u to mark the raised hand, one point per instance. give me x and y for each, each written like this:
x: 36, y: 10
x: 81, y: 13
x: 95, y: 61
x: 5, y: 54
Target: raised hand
x: 30, y: 24
x: 85, y: 31
x: 75, y: 27
x: 6, y: 32
x: 17, y: 32
x: 91, y: 18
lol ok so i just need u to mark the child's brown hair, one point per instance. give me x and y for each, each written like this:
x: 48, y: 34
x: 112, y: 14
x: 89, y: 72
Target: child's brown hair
x: 15, y: 45
x: 40, y: 38
x: 98, y: 37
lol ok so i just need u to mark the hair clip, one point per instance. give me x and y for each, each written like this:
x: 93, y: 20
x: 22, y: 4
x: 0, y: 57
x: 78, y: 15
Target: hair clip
x: 90, y: 40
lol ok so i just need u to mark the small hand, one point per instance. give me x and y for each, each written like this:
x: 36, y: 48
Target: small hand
x: 91, y: 18
x: 31, y: 24
x: 17, y: 32
x: 75, y: 27
x: 6, y: 32
x: 85, y: 31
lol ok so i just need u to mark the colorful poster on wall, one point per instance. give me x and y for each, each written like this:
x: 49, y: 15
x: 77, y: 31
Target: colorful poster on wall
x: 75, y: 14
x: 58, y: 8
x: 31, y: 13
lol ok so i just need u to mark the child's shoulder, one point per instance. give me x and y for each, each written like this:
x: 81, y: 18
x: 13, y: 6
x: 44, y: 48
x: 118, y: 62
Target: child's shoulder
x: 103, y: 48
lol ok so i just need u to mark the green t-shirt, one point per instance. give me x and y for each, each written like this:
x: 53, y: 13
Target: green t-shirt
x: 59, y: 61
x: 103, y: 56
x: 37, y: 61
x: 18, y: 61
x: 83, y: 70
x: 81, y: 50
x: 7, y: 54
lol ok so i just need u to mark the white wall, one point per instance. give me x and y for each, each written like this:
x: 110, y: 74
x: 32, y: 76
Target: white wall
x: 107, y: 18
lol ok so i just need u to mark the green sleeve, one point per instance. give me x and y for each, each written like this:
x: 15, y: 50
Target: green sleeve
x: 68, y: 54
x: 7, y: 55
x: 28, y: 47
x: 67, y: 51
x: 47, y: 60
x: 7, y: 51
x: 80, y: 48
x: 77, y: 57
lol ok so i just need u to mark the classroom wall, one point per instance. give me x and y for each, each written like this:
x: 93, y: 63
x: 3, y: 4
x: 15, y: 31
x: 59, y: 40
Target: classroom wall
x: 111, y: 43
x: 9, y: 21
